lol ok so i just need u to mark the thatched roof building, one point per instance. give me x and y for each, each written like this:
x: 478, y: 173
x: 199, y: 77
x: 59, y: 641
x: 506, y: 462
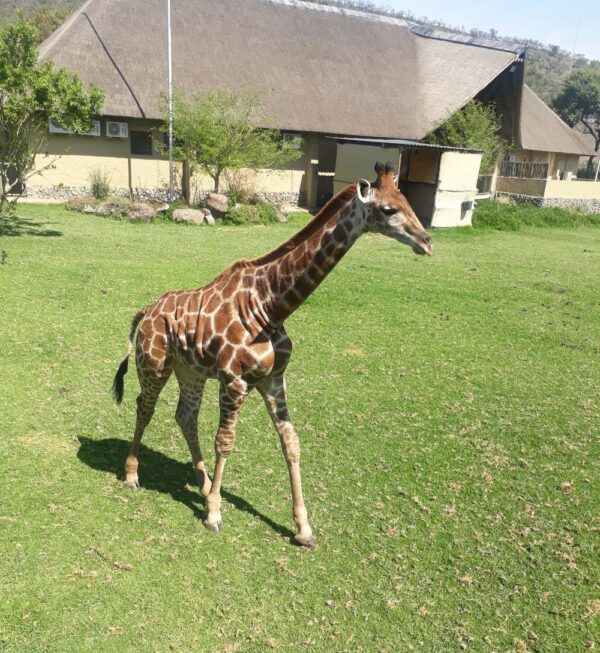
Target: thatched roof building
x: 324, y: 69
x: 543, y: 131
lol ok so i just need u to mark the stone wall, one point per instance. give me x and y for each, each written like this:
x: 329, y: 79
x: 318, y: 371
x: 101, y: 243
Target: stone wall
x: 68, y: 192
x: 281, y: 198
x: 65, y: 193
x: 272, y: 198
x: 578, y: 205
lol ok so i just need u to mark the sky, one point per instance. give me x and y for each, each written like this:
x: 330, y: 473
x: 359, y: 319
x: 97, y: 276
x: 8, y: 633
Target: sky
x: 550, y: 22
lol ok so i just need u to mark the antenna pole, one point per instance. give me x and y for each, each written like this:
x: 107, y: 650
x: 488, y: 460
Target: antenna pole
x: 170, y: 102
x: 575, y: 41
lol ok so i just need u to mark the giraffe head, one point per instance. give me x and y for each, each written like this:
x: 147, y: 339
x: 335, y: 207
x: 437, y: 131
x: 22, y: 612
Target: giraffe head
x: 389, y: 212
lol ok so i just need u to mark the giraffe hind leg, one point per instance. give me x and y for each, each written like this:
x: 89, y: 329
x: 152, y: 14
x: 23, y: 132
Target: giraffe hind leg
x: 151, y: 386
x: 191, y: 389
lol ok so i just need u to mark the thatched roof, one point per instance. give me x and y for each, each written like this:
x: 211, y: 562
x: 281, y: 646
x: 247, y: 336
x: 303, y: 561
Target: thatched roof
x: 324, y: 69
x: 543, y: 131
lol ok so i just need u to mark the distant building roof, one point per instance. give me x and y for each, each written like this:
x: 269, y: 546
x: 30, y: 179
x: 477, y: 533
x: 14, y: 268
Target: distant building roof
x: 404, y: 144
x: 543, y: 131
x: 324, y: 69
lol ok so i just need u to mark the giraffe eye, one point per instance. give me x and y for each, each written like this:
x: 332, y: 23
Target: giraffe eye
x: 388, y: 210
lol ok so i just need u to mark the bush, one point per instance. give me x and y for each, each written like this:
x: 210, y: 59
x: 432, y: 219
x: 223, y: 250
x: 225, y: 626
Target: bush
x: 99, y: 181
x: 78, y: 203
x: 244, y: 214
x: 118, y: 206
x: 477, y: 126
x: 511, y: 217
x: 240, y: 187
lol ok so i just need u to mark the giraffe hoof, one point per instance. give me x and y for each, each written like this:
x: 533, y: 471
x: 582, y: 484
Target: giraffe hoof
x: 132, y: 485
x: 215, y: 528
x: 306, y: 542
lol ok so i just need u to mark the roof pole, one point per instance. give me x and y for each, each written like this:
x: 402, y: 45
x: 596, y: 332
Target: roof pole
x: 170, y: 101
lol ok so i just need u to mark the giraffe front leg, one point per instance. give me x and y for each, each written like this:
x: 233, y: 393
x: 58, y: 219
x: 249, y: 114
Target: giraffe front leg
x: 231, y: 398
x: 273, y: 392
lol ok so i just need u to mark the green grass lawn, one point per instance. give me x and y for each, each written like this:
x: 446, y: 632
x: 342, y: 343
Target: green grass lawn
x: 449, y: 414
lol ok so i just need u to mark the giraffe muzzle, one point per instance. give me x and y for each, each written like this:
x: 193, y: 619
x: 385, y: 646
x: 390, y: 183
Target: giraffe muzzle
x: 422, y: 245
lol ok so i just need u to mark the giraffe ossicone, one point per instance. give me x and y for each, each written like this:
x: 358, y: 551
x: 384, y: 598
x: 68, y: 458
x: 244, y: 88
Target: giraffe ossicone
x: 232, y: 330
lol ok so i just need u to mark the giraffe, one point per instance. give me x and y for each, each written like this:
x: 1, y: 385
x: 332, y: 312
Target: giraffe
x: 232, y: 330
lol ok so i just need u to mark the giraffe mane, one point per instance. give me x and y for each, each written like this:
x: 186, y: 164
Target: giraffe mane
x: 329, y: 211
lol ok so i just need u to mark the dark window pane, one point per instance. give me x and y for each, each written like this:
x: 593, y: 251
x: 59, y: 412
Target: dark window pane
x: 14, y: 187
x: 177, y: 142
x: 141, y: 143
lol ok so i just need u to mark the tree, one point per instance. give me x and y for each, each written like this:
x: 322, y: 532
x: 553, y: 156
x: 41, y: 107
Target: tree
x: 475, y: 126
x: 578, y: 103
x: 46, y: 19
x: 31, y: 94
x: 217, y: 130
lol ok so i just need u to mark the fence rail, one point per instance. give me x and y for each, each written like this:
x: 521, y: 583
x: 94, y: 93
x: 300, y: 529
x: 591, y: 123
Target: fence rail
x: 524, y: 169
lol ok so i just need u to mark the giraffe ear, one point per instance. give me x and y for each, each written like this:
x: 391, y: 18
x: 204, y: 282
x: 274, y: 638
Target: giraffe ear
x: 363, y: 190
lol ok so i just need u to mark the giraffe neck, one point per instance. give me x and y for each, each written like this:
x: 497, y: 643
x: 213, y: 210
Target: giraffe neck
x: 295, y: 275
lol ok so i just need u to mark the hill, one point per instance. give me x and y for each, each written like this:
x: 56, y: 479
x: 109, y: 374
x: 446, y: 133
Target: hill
x: 8, y: 8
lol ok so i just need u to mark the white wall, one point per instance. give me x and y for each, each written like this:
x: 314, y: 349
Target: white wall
x: 457, y: 185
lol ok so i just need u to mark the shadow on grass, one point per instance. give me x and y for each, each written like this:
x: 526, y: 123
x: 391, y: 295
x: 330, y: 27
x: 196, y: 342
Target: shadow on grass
x: 159, y: 473
x: 15, y: 226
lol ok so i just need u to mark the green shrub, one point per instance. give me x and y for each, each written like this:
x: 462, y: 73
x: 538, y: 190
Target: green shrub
x: 246, y: 214
x: 511, y: 217
x: 77, y: 203
x: 99, y: 181
x: 241, y: 187
x: 118, y: 205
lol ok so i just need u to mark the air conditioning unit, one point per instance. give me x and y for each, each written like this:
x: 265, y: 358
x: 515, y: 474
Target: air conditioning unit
x: 55, y: 128
x: 116, y: 129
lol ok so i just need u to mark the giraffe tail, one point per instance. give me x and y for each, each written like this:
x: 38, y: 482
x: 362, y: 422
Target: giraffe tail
x: 119, y: 383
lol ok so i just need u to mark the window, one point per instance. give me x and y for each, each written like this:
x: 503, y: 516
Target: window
x: 141, y: 143
x: 14, y: 186
x: 177, y: 142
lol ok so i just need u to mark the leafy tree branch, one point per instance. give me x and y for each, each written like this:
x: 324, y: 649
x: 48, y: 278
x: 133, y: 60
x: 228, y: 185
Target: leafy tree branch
x: 219, y: 130
x: 31, y: 94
